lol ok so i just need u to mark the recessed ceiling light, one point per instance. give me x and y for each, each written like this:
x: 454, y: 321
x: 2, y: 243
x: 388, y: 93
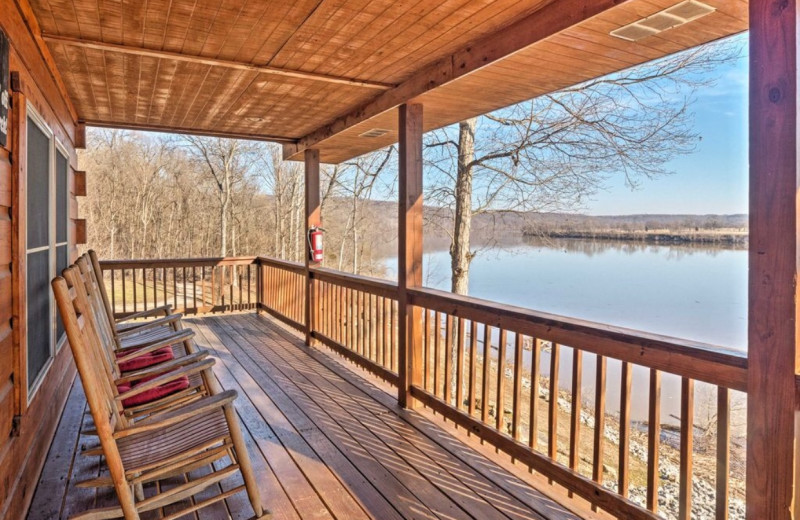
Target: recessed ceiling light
x: 375, y: 132
x: 255, y: 119
x: 669, y: 18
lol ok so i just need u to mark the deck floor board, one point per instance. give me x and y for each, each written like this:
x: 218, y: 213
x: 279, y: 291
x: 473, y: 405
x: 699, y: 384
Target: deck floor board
x: 327, y: 441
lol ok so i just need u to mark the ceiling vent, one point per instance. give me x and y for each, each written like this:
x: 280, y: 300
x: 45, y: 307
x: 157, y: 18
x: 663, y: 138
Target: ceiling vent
x: 375, y: 132
x: 669, y: 18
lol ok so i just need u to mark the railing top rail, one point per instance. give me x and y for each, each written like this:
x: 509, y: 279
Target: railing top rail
x: 289, y: 265
x: 703, y: 362
x: 354, y: 281
x: 177, y: 262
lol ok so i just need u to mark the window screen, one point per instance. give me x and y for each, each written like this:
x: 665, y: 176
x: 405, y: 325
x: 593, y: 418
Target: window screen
x: 38, y: 187
x: 39, y: 313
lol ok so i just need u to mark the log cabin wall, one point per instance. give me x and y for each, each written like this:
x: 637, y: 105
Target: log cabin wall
x: 27, y: 426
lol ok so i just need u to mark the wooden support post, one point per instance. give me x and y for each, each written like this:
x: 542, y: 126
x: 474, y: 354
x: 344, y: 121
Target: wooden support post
x: 773, y: 259
x: 409, y: 273
x: 313, y: 218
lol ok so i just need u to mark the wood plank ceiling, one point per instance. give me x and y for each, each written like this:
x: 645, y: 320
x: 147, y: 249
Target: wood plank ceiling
x: 280, y: 69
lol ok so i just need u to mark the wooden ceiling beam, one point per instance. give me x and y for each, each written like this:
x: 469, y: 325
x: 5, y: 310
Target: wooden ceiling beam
x: 213, y: 62
x: 547, y: 21
x: 122, y: 125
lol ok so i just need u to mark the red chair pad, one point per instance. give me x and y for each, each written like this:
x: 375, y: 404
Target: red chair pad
x: 145, y: 360
x: 153, y: 394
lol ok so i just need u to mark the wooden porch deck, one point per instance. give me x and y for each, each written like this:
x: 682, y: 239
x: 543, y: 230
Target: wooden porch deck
x: 327, y: 441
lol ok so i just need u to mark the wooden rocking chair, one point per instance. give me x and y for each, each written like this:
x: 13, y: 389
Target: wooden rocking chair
x: 129, y: 321
x: 160, y: 446
x: 126, y: 335
x: 135, y: 382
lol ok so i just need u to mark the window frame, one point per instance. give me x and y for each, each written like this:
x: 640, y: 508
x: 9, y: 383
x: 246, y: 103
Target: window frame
x: 56, y: 343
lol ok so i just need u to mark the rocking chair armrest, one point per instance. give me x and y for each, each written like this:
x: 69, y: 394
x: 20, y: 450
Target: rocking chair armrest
x: 159, y: 322
x: 193, y: 409
x: 188, y: 370
x: 162, y: 367
x: 150, y: 346
x: 163, y: 310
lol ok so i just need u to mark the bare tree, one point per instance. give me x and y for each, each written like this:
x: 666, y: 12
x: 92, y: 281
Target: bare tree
x: 550, y: 153
x: 228, y: 162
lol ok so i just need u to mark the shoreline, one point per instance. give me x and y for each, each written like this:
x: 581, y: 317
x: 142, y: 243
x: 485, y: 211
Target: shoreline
x: 736, y: 238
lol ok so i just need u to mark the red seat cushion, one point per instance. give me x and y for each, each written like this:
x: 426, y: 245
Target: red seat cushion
x: 145, y: 360
x: 153, y: 394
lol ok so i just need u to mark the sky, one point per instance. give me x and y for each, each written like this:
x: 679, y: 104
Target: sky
x: 711, y: 180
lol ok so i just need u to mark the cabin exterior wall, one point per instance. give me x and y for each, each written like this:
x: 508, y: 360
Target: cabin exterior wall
x: 27, y: 427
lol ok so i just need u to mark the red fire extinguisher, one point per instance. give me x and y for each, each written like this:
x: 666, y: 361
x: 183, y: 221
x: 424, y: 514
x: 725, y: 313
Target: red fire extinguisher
x: 315, y: 243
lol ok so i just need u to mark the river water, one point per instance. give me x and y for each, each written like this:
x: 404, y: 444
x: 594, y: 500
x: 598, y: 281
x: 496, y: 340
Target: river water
x: 691, y: 292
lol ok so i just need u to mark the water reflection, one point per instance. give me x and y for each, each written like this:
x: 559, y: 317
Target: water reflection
x: 592, y: 248
x: 695, y: 292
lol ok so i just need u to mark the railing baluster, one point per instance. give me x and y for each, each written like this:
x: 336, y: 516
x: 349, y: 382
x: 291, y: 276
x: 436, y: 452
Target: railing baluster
x: 183, y: 285
x: 371, y: 327
x: 349, y: 317
x: 155, y: 287
x: 194, y: 288
x: 552, y: 426
x: 135, y: 292
x: 487, y: 363
x: 723, y: 451
x: 113, y: 289
x: 473, y: 365
x: 231, y: 304
x: 448, y: 359
x: 337, y: 332
x: 687, y: 443
x: 599, y: 420
x: 624, y: 429
x: 533, y: 406
x: 387, y: 333
x: 517, y: 397
x: 425, y: 349
x: 460, y: 363
x: 238, y: 270
x: 379, y: 337
x: 124, y: 293
x: 575, y: 409
x: 653, y: 439
x: 144, y: 288
x: 500, y: 406
x: 213, y: 287
x: 203, y: 286
x: 437, y: 336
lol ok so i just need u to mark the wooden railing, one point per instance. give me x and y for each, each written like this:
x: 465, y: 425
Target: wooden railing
x: 190, y: 286
x: 567, y: 397
x: 283, y: 290
x: 357, y: 317
x: 470, y: 391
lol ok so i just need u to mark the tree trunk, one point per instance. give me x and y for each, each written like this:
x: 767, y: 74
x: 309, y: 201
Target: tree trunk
x: 460, y: 255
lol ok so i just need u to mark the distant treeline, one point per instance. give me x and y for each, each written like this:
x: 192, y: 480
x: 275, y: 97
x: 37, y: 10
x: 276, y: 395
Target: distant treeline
x: 667, y: 229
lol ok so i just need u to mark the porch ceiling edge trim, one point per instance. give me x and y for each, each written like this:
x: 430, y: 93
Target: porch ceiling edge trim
x: 122, y: 125
x: 547, y: 21
x: 213, y: 62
